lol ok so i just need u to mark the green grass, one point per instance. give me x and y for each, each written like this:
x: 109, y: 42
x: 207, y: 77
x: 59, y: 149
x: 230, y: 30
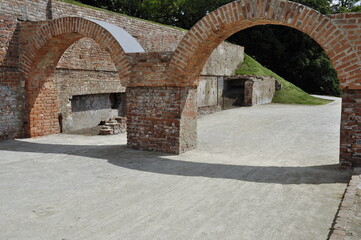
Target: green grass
x: 73, y: 2
x: 289, y: 94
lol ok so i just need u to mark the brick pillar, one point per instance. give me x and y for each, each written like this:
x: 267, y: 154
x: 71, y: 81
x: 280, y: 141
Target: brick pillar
x: 188, y: 123
x: 350, y: 143
x: 161, y: 119
x: 42, y: 106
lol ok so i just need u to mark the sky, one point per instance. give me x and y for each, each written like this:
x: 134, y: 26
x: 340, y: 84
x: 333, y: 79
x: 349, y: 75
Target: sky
x: 335, y: 1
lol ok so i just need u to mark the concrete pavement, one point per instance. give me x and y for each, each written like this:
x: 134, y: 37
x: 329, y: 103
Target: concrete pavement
x: 265, y: 172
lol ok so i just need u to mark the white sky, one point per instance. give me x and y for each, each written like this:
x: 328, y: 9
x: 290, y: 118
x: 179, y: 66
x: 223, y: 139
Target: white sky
x: 335, y: 1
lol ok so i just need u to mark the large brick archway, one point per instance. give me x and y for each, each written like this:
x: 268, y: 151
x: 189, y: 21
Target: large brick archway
x: 47, y: 43
x: 338, y: 35
x: 195, y: 48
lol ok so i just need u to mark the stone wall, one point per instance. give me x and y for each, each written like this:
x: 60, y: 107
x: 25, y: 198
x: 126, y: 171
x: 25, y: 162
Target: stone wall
x: 208, y: 92
x: 216, y: 93
x: 262, y: 90
x: 188, y: 119
x: 85, y: 69
x: 74, y: 83
x: 224, y: 60
x: 88, y: 111
x: 27, y: 10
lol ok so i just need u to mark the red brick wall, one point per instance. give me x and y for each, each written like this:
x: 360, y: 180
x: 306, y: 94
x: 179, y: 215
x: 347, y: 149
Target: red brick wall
x: 159, y: 118
x: 86, y: 54
x: 350, y: 142
x: 153, y: 118
x: 350, y: 23
x: 11, y: 87
x: 32, y: 10
x: 149, y: 69
x: 350, y: 148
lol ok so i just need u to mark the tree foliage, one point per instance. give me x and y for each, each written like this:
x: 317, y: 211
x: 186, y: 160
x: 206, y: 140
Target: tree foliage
x: 286, y: 51
x: 293, y: 55
x: 347, y: 6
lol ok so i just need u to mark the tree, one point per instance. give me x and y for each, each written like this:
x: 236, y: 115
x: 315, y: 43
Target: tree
x: 193, y: 11
x: 346, y: 6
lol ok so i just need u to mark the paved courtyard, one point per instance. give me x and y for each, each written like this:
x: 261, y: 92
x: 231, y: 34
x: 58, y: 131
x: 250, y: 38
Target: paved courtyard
x: 265, y: 172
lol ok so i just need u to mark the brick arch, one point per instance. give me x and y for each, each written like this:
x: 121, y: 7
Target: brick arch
x: 197, y: 45
x: 45, y: 48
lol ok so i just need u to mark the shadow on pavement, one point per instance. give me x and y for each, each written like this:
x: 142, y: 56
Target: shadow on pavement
x: 122, y: 156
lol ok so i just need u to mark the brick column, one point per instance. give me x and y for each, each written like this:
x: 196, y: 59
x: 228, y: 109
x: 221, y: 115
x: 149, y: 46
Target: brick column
x: 42, y: 106
x: 188, y: 123
x: 161, y: 119
x: 350, y: 143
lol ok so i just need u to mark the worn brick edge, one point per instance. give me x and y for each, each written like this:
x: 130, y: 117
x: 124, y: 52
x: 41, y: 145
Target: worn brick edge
x: 344, y: 213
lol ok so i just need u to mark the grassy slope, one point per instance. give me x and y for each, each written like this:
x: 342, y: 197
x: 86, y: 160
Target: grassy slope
x: 289, y: 94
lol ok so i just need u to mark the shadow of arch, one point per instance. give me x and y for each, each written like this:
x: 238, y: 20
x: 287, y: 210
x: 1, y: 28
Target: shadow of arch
x: 46, y: 46
x: 159, y: 163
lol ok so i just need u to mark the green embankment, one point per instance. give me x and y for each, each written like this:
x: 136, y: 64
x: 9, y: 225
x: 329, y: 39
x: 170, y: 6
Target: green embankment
x: 289, y: 94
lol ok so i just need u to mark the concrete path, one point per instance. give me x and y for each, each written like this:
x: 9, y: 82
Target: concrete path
x: 266, y: 172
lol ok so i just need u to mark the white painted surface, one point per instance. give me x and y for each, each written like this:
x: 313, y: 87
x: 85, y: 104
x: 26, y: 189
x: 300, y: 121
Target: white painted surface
x: 125, y: 40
